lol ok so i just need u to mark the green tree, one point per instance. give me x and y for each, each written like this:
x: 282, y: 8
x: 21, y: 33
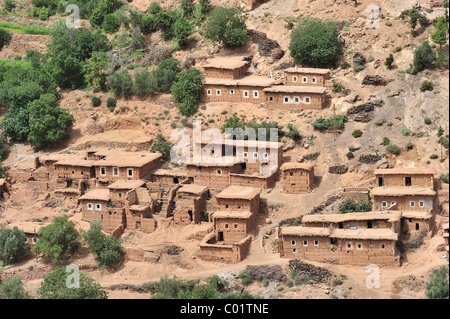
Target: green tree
x: 144, y: 83
x: 182, y: 30
x: 162, y: 146
x: 187, y: 91
x: 233, y: 123
x: 424, y: 56
x: 437, y: 287
x: 188, y: 7
x: 227, y: 26
x: 54, y: 287
x: 12, y: 288
x: 121, y: 83
x: 13, y: 245
x: 415, y: 17
x: 205, y: 6
x: 58, y: 240
x: 166, y: 74
x: 439, y: 36
x: 350, y: 205
x: 48, y: 122
x: 5, y: 37
x: 95, y: 70
x: 9, y: 6
x: 315, y: 43
x: 389, y: 60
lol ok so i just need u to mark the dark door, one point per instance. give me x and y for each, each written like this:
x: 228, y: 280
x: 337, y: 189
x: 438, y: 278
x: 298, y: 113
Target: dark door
x: 220, y: 236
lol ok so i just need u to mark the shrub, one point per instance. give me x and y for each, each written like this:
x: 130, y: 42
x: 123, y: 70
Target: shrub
x: 358, y: 68
x: 5, y: 37
x: 121, y: 83
x: 111, y: 103
x: 434, y: 156
x: 111, y: 23
x: 227, y: 26
x: 409, y: 146
x: 13, y: 245
x: 162, y: 146
x: 338, y: 122
x: 357, y: 133
x: 437, y: 287
x: 386, y: 141
x: 337, y: 87
x: 380, y: 122
x: 393, y: 149
x: 293, y: 132
x: 389, y: 60
x: 424, y: 56
x: 444, y: 178
x: 95, y: 101
x: 144, y: 83
x: 350, y: 155
x: 350, y: 205
x: 406, y: 132
x: 187, y: 91
x: 427, y: 121
x: 426, y: 86
x: 345, y: 65
x: 315, y: 43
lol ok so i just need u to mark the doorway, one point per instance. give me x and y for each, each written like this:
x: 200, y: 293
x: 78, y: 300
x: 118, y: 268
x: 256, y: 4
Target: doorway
x: 190, y: 215
x: 220, y: 237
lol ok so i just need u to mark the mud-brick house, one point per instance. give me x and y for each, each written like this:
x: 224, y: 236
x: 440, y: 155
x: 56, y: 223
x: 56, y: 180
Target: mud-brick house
x: 239, y: 198
x: 406, y: 177
x: 297, y: 178
x: 446, y: 234
x: 403, y: 198
x: 233, y: 226
x: 213, y: 175
x: 190, y: 202
x: 226, y: 252
x: 31, y: 230
x: 139, y: 207
x: 307, y: 76
x: 226, y: 68
x: 119, y: 189
x: 168, y: 177
x: 376, y: 220
x: 281, y: 97
x: 94, y: 204
x: 249, y: 89
x: 74, y: 169
x: 126, y: 165
x: 310, y: 243
x: 416, y: 221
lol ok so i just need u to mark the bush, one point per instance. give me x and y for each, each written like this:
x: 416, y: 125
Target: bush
x: 111, y: 23
x: 111, y: 103
x: 350, y: 205
x: 444, y: 178
x: 13, y: 245
x: 162, y: 146
x: 406, y: 132
x: 187, y: 91
x: 5, y: 37
x: 95, y: 101
x: 121, y: 83
x: 434, y: 156
x: 227, y: 26
x: 386, y: 141
x: 389, y: 60
x: 315, y: 43
x: 393, y: 149
x: 426, y: 86
x: 144, y: 83
x: 424, y: 56
x: 345, y: 65
x: 338, y: 122
x: 182, y: 30
x: 437, y: 287
x: 293, y: 132
x: 427, y: 121
x: 350, y: 155
x: 166, y: 74
x: 357, y: 133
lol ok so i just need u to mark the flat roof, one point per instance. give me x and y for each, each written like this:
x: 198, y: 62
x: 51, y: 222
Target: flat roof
x: 338, y: 218
x: 96, y: 194
x: 169, y: 172
x: 307, y: 70
x: 224, y: 161
x: 417, y: 215
x: 294, y: 165
x: 405, y: 171
x: 296, y: 89
x: 242, y: 143
x: 239, y: 192
x: 28, y: 227
x: 305, y: 231
x: 402, y: 191
x: 126, y: 184
x: 371, y: 233
x: 226, y: 63
x: 75, y: 162
x: 239, y: 214
x: 193, y: 189
x: 128, y: 159
x: 252, y: 80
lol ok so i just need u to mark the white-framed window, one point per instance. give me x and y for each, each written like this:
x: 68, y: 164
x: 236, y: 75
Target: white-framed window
x: 421, y: 204
x: 255, y: 155
x: 266, y: 155
x: 246, y: 94
x: 256, y: 94
x: 219, y: 92
x: 90, y: 206
x: 307, y: 100
x: 304, y: 79
x: 103, y: 171
x: 293, y: 243
x: 286, y: 99
x: 98, y: 206
x: 384, y: 204
x: 219, y: 172
x: 314, y: 80
x: 297, y: 99
x: 349, y: 246
x: 359, y: 246
x: 34, y: 240
x: 115, y: 171
x: 226, y: 225
x: 316, y: 243
x: 305, y: 243
x: 412, y: 204
x: 231, y: 92
x: 130, y: 172
x: 209, y: 92
x: 294, y: 79
x: 245, y: 154
x: 383, y: 246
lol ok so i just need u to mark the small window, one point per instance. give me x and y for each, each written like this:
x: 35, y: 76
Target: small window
x: 90, y: 206
x: 294, y: 250
x: 384, y: 204
x: 235, y: 225
x: 266, y: 155
x: 297, y: 100
x: 305, y: 243
x: 255, y: 155
x: 421, y: 204
x: 82, y: 173
x: 294, y: 79
x: 291, y: 174
x: 116, y: 171
x: 256, y: 94
x: 35, y: 240
x: 307, y: 100
x: 316, y: 243
x: 271, y: 98
x: 130, y: 172
x: 98, y: 206
x: 239, y: 207
x: 227, y: 206
x: 412, y: 204
x: 245, y: 155
x: 383, y: 246
x: 218, y: 92
x: 293, y: 243
x: 73, y: 172
x: 286, y: 99
x: 359, y: 246
x: 226, y: 225
x: 219, y: 172
x: 102, y: 171
x: 231, y: 92
x: 314, y: 80
x: 304, y: 79
x: 349, y: 246
x: 246, y: 94
x: 209, y: 92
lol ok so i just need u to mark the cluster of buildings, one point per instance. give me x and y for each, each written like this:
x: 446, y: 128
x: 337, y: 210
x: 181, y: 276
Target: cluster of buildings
x: 404, y: 206
x: 226, y: 80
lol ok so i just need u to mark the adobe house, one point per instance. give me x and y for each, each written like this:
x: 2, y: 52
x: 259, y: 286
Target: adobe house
x: 120, y: 188
x: 139, y: 207
x: 168, y: 177
x: 246, y: 90
x: 126, y: 165
x: 211, y: 250
x: 94, y: 204
x: 446, y: 233
x: 307, y: 76
x: 213, y: 175
x: 226, y: 68
x: 341, y: 246
x: 403, y: 198
x: 30, y: 229
x: 233, y: 226
x: 414, y: 222
x: 376, y: 220
x: 190, y: 202
x: 407, y: 177
x: 239, y: 198
x: 74, y: 169
x: 297, y: 178
x: 290, y: 97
